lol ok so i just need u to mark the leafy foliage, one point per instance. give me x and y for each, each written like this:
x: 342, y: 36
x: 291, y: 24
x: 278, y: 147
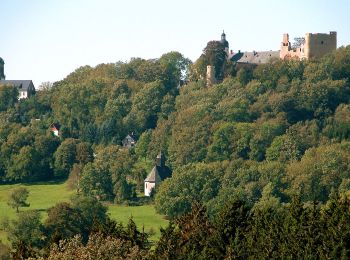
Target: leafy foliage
x: 26, y: 231
x: 275, y: 138
x: 18, y: 198
x: 291, y: 231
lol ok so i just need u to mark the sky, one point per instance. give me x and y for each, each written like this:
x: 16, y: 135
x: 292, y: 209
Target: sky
x: 45, y: 40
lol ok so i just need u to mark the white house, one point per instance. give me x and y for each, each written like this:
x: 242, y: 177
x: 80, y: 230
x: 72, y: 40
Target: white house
x: 25, y: 87
x: 55, y: 129
x: 129, y: 141
x: 157, y: 174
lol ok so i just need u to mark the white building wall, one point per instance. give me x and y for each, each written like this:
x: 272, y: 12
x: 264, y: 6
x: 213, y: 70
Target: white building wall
x: 148, y: 188
x: 23, y: 94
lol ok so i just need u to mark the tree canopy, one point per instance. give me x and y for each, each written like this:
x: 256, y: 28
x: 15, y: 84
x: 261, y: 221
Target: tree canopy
x: 274, y: 137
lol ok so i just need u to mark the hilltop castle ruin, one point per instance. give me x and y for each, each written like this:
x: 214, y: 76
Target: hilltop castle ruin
x: 313, y: 45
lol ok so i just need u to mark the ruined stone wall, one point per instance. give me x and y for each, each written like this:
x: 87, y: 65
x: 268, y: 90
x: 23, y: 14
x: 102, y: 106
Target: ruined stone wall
x: 316, y: 45
x: 287, y: 52
x: 285, y: 46
x: 319, y: 44
x: 211, y: 80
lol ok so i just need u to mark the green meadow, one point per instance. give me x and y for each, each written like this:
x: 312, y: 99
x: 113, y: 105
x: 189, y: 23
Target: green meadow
x: 42, y: 196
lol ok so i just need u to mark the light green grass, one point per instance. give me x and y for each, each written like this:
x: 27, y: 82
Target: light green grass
x: 144, y: 216
x: 44, y: 196
x: 41, y: 197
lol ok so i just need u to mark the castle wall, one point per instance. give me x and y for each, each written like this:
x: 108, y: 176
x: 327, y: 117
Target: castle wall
x: 316, y: 45
x: 286, y: 51
x: 319, y: 44
x: 298, y: 54
x: 211, y: 80
x: 285, y: 46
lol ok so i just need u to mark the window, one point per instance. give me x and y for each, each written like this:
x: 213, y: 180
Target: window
x: 321, y: 42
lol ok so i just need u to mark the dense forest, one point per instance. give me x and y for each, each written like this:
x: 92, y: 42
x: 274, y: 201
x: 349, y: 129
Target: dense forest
x: 260, y: 161
x: 81, y: 229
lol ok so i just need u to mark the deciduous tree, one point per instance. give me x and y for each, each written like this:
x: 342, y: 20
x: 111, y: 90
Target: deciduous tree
x: 18, y: 198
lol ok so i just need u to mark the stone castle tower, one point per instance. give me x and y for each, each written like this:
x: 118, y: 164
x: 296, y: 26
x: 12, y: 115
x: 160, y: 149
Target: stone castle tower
x: 2, y: 65
x: 211, y: 80
x: 315, y: 46
x: 224, y: 42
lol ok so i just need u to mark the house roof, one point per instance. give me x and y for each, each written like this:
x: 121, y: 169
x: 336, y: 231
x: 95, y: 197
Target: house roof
x: 56, y: 126
x: 255, y: 57
x: 20, y: 84
x: 129, y: 137
x: 153, y: 176
x: 129, y: 141
x: 158, y: 174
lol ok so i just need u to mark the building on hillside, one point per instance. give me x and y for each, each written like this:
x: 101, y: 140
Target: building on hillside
x: 55, y: 129
x: 25, y: 87
x: 158, y: 173
x: 211, y: 79
x: 225, y: 42
x: 210, y: 75
x: 254, y: 58
x: 129, y: 141
x: 315, y: 45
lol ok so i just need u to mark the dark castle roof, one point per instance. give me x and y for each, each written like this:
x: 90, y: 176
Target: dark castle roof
x: 254, y: 57
x: 20, y: 84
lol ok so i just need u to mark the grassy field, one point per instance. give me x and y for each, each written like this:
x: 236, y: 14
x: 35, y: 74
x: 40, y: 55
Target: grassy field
x: 41, y: 197
x: 144, y: 216
x: 44, y: 196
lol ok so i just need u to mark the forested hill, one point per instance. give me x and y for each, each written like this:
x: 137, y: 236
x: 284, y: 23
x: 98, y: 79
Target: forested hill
x: 262, y: 136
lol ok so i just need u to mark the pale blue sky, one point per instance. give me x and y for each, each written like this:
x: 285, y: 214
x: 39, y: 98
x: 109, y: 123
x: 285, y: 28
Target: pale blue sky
x: 45, y: 40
